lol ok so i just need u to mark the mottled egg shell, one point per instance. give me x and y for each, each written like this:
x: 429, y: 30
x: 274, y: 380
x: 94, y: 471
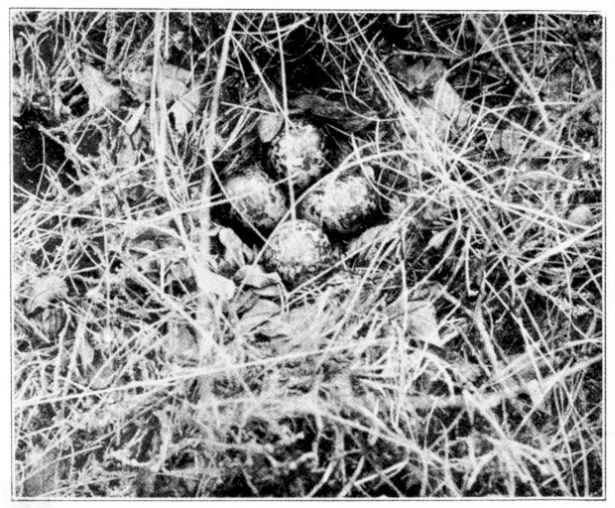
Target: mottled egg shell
x: 298, y: 152
x: 297, y: 250
x: 344, y: 204
x: 255, y: 199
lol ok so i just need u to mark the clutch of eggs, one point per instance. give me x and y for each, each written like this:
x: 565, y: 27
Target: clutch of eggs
x: 255, y: 199
x: 343, y: 204
x: 297, y: 250
x: 298, y: 153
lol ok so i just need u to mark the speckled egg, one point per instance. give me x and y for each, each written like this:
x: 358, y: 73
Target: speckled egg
x: 254, y: 197
x: 298, y: 153
x: 297, y: 250
x: 344, y: 204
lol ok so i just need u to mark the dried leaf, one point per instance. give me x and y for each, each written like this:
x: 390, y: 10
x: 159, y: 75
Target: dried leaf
x: 302, y: 325
x: 373, y: 239
x: 536, y: 392
x: 269, y: 125
x: 258, y: 315
x: 276, y: 291
x: 464, y: 116
x: 41, y: 478
x: 235, y: 251
x: 267, y: 96
x: 173, y: 82
x: 335, y: 112
x: 446, y: 100
x: 18, y: 102
x: 397, y: 65
x: 179, y: 271
x: 101, y: 93
x: 213, y: 284
x: 510, y: 140
x: 437, y: 240
x: 51, y: 321
x: 183, y: 109
x: 44, y: 290
x: 420, y: 318
x: 109, y: 336
x: 318, y: 105
x: 181, y: 343
x: 422, y: 322
x: 86, y: 353
x: 417, y: 77
x: 253, y: 276
x: 126, y: 156
x: 420, y: 77
x: 354, y: 123
x: 103, y: 377
x: 444, y: 108
x: 133, y: 122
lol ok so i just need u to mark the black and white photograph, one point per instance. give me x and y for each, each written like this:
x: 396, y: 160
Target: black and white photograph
x: 295, y: 254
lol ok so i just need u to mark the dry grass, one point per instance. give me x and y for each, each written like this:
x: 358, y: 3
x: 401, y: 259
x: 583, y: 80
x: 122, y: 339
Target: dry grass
x: 142, y: 378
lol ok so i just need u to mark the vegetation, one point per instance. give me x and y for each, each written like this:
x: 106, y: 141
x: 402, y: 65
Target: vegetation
x: 455, y: 352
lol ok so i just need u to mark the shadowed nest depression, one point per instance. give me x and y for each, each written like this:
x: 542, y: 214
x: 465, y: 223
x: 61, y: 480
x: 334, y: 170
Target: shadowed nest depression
x: 303, y: 254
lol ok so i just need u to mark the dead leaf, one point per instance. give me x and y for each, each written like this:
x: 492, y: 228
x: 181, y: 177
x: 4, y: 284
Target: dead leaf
x: 422, y: 322
x: 101, y: 94
x: 318, y: 105
x: 103, y: 377
x: 127, y: 155
x: 41, y: 477
x: 51, y: 321
x: 510, y: 140
x: 269, y: 291
x: 438, y: 239
x: 181, y: 343
x: 179, y: 271
x: 536, y: 392
x: 335, y: 112
x: 445, y: 108
x: 446, y: 100
x: 184, y: 109
x: 133, y: 122
x: 267, y: 96
x: 420, y: 77
x: 109, y: 336
x: 213, y: 284
x: 173, y: 83
x: 18, y: 103
x: 235, y: 251
x: 85, y: 353
x: 301, y: 325
x: 261, y: 313
x: 253, y: 276
x: 373, y: 239
x: 419, y: 317
x: 269, y: 125
x: 44, y: 290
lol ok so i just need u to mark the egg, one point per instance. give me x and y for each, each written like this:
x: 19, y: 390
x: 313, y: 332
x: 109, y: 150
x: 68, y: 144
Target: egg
x: 297, y: 250
x: 254, y: 197
x: 298, y: 153
x: 344, y: 204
